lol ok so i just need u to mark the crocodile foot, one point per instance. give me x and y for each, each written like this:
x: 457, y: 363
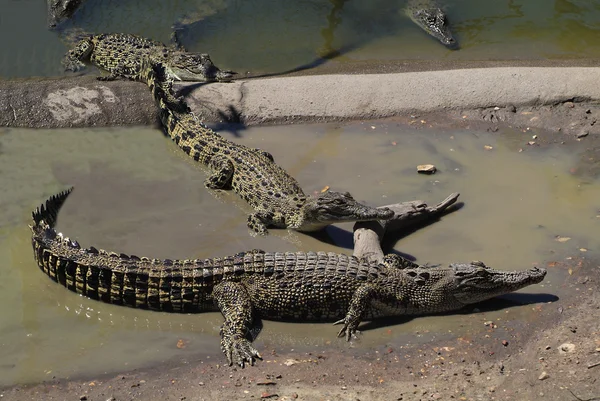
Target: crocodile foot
x: 349, y: 330
x: 238, y: 350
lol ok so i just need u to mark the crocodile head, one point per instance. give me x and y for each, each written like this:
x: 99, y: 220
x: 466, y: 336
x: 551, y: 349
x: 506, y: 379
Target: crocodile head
x: 475, y: 282
x: 434, y: 22
x: 331, y: 207
x: 196, y: 67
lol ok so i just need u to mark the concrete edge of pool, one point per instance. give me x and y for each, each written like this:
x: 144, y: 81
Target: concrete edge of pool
x: 84, y: 101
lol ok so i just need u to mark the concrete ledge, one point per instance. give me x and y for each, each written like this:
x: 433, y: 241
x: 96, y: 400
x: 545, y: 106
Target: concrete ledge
x: 84, y: 101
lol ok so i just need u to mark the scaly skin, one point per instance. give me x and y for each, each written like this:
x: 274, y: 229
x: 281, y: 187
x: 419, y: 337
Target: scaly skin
x: 295, y: 286
x: 430, y: 17
x: 275, y: 196
x: 121, y: 55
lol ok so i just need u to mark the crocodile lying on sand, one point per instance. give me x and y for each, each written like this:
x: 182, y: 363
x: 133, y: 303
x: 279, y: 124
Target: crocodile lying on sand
x: 292, y: 286
x: 121, y: 54
x: 277, y: 198
x: 429, y: 16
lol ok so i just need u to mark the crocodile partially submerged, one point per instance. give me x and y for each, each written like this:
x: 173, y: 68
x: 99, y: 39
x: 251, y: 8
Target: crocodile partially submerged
x: 289, y: 286
x: 428, y: 15
x: 276, y: 197
x: 120, y: 55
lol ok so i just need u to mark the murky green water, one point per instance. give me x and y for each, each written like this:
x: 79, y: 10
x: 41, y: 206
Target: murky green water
x: 274, y: 36
x: 135, y: 192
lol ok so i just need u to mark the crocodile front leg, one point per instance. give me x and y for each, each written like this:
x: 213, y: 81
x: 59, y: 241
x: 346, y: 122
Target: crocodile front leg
x: 258, y: 222
x: 236, y: 307
x: 394, y: 261
x: 222, y: 169
x: 73, y: 60
x: 265, y: 154
x: 358, y: 307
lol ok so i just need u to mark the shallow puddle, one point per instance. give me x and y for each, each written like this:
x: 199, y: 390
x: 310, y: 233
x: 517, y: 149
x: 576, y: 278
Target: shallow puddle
x: 136, y: 192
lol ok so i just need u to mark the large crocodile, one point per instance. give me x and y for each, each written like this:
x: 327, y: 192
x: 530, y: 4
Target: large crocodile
x: 276, y: 197
x: 428, y: 15
x: 121, y: 54
x: 293, y: 286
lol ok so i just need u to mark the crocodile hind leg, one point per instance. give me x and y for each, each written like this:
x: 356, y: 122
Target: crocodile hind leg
x: 222, y: 171
x: 73, y: 60
x: 358, y: 306
x: 236, y: 307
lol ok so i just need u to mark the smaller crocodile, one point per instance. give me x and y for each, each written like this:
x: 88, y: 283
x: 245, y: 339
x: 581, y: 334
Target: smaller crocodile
x: 120, y: 54
x: 276, y: 197
x: 429, y: 16
x: 245, y: 287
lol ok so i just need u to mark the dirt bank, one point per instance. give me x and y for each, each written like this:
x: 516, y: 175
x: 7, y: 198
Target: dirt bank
x: 84, y: 101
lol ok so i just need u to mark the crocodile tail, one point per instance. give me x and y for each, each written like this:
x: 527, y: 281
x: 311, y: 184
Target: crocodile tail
x: 46, y: 214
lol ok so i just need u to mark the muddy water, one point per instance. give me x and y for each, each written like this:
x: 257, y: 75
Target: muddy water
x: 271, y: 36
x: 135, y: 192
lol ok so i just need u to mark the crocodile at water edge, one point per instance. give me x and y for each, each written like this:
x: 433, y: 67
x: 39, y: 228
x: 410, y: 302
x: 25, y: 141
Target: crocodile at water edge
x: 289, y: 286
x: 120, y: 54
x: 429, y: 16
x: 276, y: 197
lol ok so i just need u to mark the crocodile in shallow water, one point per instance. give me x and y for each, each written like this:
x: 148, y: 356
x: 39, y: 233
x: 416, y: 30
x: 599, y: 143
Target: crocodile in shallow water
x: 292, y: 286
x: 277, y: 198
x: 429, y: 16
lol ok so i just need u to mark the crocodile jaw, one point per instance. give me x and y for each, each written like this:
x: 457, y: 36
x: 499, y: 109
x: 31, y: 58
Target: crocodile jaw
x: 336, y: 207
x: 476, y: 282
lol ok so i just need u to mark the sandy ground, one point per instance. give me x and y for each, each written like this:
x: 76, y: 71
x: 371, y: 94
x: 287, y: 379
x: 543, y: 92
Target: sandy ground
x: 555, y: 357
x: 84, y: 101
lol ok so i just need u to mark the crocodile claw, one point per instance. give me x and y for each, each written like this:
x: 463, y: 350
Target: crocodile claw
x: 349, y: 330
x: 239, y: 351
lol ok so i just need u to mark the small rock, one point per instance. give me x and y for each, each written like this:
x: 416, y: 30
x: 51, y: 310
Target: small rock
x: 583, y: 133
x: 83, y: 398
x: 569, y: 104
x: 566, y: 348
x: 543, y: 376
x: 505, y: 343
x: 426, y: 169
x: 488, y: 147
x: 267, y: 395
x: 512, y: 108
x: 290, y: 362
